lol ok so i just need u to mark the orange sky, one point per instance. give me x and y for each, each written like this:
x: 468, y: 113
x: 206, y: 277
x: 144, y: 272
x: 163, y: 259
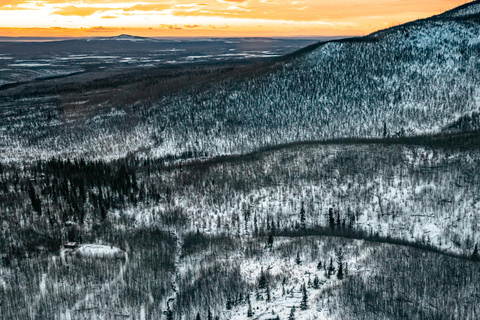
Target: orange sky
x: 210, y: 17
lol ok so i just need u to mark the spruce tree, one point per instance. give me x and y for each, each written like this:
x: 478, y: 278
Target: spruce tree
x: 270, y: 240
x: 292, y: 314
x: 304, y: 303
x: 249, y: 311
x: 302, y: 216
x: 331, y: 219
x: 262, y: 281
x: 169, y: 314
x: 475, y: 254
x: 331, y: 269
x: 340, y: 264
x: 209, y: 314
x: 198, y: 316
x: 298, y: 260
x: 340, y: 272
x: 36, y: 203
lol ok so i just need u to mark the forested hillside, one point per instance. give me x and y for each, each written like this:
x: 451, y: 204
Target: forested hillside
x: 418, y: 78
x: 338, y: 182
x: 228, y: 214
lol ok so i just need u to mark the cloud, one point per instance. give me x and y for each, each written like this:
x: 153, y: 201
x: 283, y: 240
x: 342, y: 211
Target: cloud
x: 101, y: 29
x: 11, y: 3
x: 170, y: 26
x: 148, y: 7
x: 292, y: 15
x: 79, y: 11
x: 20, y: 5
x: 15, y: 8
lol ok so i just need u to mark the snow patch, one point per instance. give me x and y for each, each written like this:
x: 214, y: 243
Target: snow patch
x: 96, y: 250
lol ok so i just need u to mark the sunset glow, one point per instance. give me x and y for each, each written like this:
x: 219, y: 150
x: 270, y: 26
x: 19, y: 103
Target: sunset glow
x: 46, y: 18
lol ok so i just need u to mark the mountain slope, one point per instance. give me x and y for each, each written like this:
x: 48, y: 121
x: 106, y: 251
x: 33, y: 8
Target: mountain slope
x: 382, y: 228
x: 419, y: 78
x: 468, y: 10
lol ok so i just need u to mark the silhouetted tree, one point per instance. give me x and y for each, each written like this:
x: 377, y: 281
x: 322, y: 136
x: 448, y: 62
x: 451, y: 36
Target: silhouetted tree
x: 292, y: 314
x: 304, y: 303
x: 36, y: 203
x: 331, y: 269
x: 298, y: 260
x: 475, y: 254
x: 331, y: 219
x: 270, y: 240
x: 262, y: 281
x: 209, y: 314
x: 316, y: 283
x: 249, y: 311
x: 169, y: 314
x: 229, y: 304
x: 340, y: 264
x: 302, y: 215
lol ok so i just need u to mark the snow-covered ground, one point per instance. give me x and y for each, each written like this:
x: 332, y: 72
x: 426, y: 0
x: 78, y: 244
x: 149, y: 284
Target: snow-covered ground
x: 94, y: 250
x: 99, y: 250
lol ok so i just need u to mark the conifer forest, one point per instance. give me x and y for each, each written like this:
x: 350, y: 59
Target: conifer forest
x: 337, y: 181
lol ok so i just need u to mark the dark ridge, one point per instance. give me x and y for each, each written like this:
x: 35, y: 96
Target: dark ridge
x: 374, y: 238
x: 122, y: 36
x: 18, y: 84
x: 453, y: 141
x: 204, y: 72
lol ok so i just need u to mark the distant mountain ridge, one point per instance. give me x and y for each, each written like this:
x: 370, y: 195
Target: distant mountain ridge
x: 122, y: 37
